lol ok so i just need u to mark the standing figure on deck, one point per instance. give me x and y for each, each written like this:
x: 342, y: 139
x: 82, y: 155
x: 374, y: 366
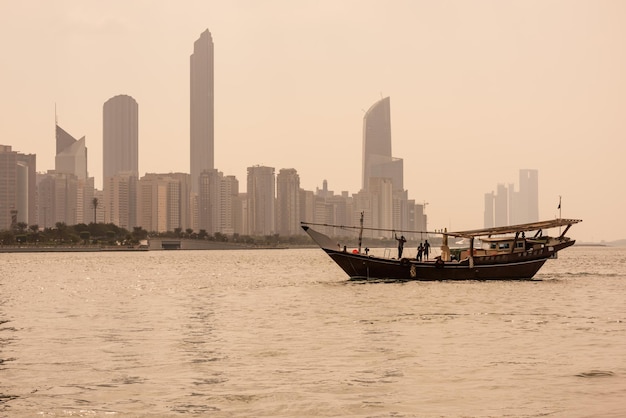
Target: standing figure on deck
x: 401, y: 242
x: 426, y: 249
x: 420, y: 251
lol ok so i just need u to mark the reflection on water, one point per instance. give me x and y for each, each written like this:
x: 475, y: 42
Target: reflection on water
x: 284, y: 333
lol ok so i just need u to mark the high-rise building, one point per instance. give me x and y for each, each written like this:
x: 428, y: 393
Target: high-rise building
x: 377, y: 159
x: 17, y: 188
x: 71, y: 158
x: 261, y: 196
x: 501, y: 206
x: 527, y: 207
x: 159, y: 203
x: 201, y: 108
x: 185, y: 189
x: 307, y: 204
x: 120, y: 200
x: 120, y: 136
x: 288, y: 202
x: 510, y: 207
x: 8, y: 185
x: 209, y: 202
x: 27, y: 188
x: 383, y: 181
x: 229, y: 196
x: 58, y: 198
x: 120, y: 160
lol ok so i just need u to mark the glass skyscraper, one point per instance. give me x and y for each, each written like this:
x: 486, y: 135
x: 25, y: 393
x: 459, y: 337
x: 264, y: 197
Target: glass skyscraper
x: 120, y: 137
x: 377, y: 159
x: 201, y: 108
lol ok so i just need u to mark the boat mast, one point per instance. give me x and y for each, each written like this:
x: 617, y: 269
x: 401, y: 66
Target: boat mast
x: 361, y: 232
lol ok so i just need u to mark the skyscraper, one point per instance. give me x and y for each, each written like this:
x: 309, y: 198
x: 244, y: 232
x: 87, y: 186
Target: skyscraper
x: 528, y: 201
x: 209, y: 202
x: 8, y: 185
x: 510, y: 207
x: 71, y: 156
x: 17, y: 187
x: 121, y: 160
x: 120, y: 136
x: 201, y: 108
x: 159, y: 201
x: 71, y: 159
x: 261, y: 197
x: 377, y: 159
x: 288, y: 202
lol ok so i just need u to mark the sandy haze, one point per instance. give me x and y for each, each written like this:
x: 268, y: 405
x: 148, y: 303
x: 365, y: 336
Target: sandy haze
x: 479, y: 90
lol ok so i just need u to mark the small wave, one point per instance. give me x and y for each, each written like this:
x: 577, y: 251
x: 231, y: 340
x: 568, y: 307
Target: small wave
x: 7, y: 398
x: 596, y: 373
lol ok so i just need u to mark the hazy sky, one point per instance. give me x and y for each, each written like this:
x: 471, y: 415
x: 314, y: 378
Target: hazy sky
x: 479, y: 90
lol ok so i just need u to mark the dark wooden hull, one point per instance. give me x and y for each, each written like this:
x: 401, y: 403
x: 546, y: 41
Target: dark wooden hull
x: 362, y: 267
x: 505, y: 266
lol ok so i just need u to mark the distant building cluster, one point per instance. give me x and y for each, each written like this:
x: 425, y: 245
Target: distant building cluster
x: 506, y: 206
x: 205, y: 198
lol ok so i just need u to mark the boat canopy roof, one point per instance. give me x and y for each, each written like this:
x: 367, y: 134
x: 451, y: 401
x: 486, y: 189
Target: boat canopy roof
x: 474, y: 233
x: 498, y: 230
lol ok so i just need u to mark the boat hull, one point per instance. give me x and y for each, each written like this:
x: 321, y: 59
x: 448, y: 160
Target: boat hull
x: 360, y: 267
x: 504, y: 266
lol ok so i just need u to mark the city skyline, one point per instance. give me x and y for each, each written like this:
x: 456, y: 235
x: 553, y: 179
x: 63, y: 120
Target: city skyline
x: 511, y: 207
x: 479, y: 91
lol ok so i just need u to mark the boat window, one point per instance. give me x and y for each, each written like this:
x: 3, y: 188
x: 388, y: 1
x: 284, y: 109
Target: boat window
x: 503, y: 245
x: 492, y: 246
x: 520, y: 245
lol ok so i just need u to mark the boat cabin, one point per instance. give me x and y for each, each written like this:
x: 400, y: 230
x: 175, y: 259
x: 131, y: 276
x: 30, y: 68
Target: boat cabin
x: 489, y: 246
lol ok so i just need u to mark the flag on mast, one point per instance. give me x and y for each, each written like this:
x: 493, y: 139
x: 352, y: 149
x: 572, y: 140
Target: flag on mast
x: 559, y: 203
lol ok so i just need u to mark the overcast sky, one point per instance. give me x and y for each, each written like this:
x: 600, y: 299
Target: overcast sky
x: 479, y: 90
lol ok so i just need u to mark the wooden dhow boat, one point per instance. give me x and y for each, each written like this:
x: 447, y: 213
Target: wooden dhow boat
x: 505, y: 253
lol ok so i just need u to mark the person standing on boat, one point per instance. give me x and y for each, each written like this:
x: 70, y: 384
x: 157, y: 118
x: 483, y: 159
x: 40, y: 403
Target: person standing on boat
x: 401, y: 242
x: 420, y: 251
x: 426, y: 249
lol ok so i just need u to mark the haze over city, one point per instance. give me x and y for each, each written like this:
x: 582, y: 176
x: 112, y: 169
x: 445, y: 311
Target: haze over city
x: 478, y: 91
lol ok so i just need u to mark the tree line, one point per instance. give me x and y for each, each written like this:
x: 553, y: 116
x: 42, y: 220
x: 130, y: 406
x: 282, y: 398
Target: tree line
x: 111, y: 234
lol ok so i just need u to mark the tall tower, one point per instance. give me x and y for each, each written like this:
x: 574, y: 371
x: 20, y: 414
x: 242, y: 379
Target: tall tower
x: 377, y: 159
x: 121, y: 160
x: 261, y: 196
x: 529, y: 195
x: 71, y: 156
x: 8, y: 185
x: 71, y: 159
x: 120, y: 136
x: 201, y: 108
x: 288, y: 201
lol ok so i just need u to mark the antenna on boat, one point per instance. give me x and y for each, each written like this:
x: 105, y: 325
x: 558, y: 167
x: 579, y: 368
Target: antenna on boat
x: 559, y: 213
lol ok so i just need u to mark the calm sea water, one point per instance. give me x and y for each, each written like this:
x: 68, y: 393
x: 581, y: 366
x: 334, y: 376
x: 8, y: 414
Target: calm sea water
x: 282, y: 333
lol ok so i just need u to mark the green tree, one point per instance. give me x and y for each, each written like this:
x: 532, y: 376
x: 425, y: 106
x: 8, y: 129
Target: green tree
x: 94, y: 204
x: 138, y: 234
x: 21, y: 227
x: 7, y: 237
x: 219, y: 237
x: 61, y: 231
x: 84, y: 235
